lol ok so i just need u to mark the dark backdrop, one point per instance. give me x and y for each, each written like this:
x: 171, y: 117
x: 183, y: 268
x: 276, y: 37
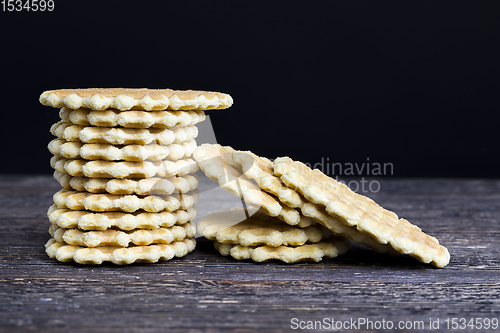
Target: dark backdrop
x: 414, y: 84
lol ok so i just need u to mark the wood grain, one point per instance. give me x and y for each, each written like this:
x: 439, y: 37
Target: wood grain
x: 207, y: 292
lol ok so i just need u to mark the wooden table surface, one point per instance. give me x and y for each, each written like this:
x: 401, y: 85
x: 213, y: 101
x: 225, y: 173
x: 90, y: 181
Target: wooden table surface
x: 207, y: 292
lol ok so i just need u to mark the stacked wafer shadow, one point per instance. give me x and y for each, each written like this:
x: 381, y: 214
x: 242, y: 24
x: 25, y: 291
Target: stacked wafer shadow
x: 128, y: 184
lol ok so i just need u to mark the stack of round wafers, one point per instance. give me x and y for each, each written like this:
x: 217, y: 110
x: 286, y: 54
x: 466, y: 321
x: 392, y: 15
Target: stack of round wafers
x: 290, y: 191
x: 123, y: 158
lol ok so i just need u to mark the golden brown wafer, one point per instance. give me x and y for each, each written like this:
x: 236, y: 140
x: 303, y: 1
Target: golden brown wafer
x: 261, y: 170
x: 257, y: 229
x: 216, y: 163
x: 136, y: 99
x: 108, y: 152
x: 120, y: 170
x: 361, y: 212
x: 85, y: 220
x: 131, y: 119
x: 123, y: 203
x: 148, y: 186
x: 118, y: 255
x: 119, y: 238
x: 332, y: 248
x: 123, y: 136
x: 213, y: 164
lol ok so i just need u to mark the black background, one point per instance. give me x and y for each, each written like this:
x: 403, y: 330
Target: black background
x: 415, y: 84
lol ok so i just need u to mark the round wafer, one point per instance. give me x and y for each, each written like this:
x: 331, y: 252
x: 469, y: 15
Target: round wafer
x: 109, y: 152
x: 123, y: 136
x: 86, y: 220
x: 331, y: 248
x: 258, y: 229
x: 120, y: 170
x: 120, y: 238
x: 148, y: 186
x: 131, y: 119
x: 135, y: 99
x: 118, y: 255
x: 123, y: 203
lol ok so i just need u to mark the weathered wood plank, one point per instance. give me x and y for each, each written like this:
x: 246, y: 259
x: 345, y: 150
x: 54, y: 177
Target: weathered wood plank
x: 207, y: 292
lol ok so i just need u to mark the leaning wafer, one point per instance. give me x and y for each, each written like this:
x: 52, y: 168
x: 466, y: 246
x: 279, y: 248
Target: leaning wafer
x: 261, y: 170
x: 216, y: 163
x: 361, y: 212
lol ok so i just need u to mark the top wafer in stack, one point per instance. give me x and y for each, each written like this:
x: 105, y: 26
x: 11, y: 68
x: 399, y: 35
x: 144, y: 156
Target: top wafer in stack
x: 123, y: 158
